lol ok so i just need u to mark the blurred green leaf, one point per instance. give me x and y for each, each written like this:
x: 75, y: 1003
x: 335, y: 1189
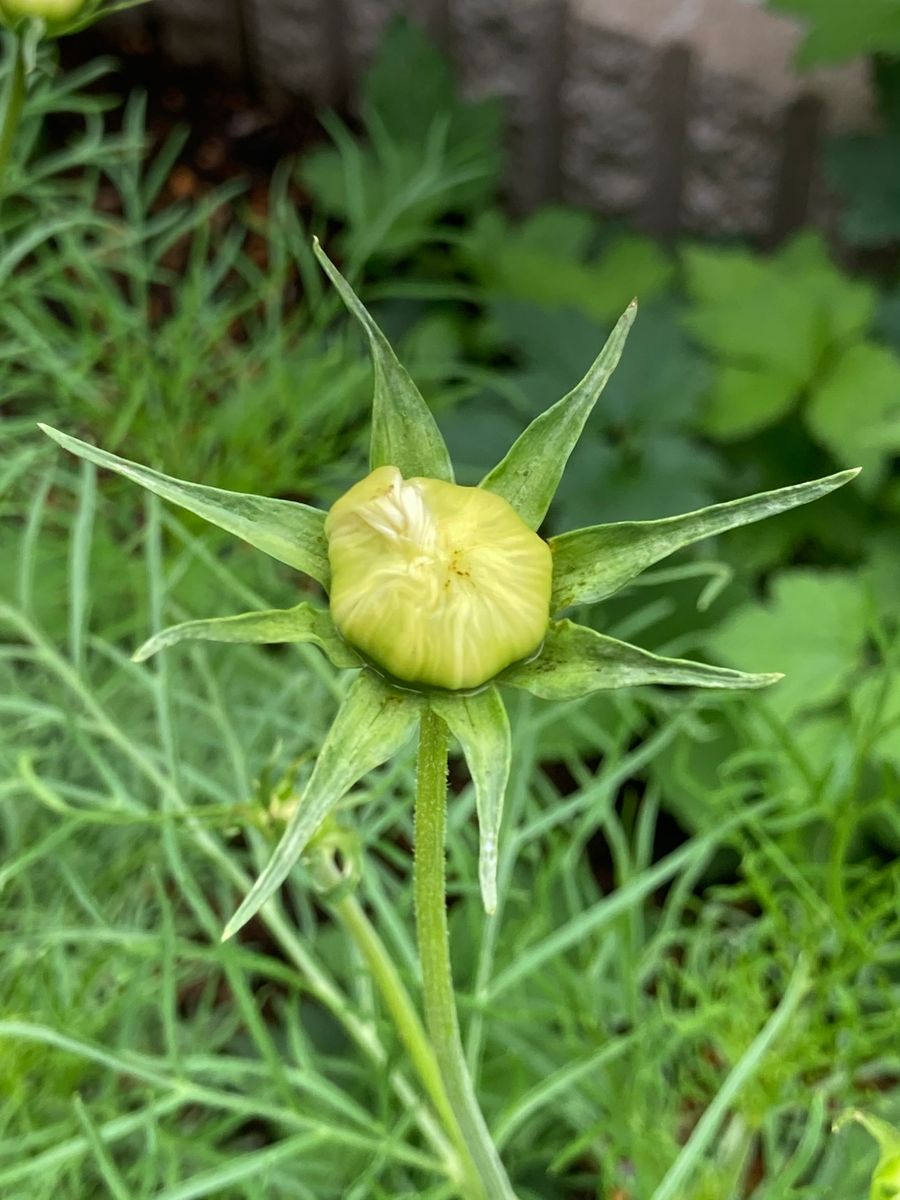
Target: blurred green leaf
x: 655, y: 472
x: 855, y: 412
x: 877, y: 701
x: 746, y: 399
x: 542, y: 260
x: 839, y: 31
x: 420, y: 161
x: 812, y: 627
x: 779, y: 314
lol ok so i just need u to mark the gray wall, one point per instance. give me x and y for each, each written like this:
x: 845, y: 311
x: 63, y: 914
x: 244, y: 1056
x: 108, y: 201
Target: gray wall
x: 685, y: 115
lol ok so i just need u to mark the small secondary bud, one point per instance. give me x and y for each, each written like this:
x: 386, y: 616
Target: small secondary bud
x: 440, y: 585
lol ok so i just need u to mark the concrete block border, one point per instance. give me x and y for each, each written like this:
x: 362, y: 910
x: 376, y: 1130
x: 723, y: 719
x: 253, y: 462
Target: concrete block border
x: 684, y: 116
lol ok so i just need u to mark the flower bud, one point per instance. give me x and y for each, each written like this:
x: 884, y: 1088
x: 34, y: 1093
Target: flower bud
x: 886, y: 1180
x: 439, y: 585
x: 54, y: 12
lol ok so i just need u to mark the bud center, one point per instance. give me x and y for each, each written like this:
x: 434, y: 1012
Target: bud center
x: 402, y: 516
x: 439, y: 584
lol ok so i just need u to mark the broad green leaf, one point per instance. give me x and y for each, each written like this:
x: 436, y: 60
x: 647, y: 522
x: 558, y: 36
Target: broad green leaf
x: 813, y: 626
x: 590, y: 564
x: 303, y: 623
x: 745, y: 400
x: 530, y: 473
x: 292, y: 533
x: 372, y: 724
x: 781, y: 313
x: 404, y: 432
x: 856, y: 410
x: 542, y: 260
x: 480, y: 725
x: 576, y: 661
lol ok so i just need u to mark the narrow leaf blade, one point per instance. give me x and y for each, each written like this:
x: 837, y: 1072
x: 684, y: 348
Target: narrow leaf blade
x: 530, y: 473
x: 480, y: 725
x: 590, y: 564
x: 404, y: 432
x: 372, y: 724
x: 292, y: 533
x: 576, y: 661
x: 303, y: 623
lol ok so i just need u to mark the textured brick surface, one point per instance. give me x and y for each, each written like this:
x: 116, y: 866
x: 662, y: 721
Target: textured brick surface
x: 607, y: 118
x: 197, y: 32
x: 292, y: 50
x: 514, y: 51
x: 588, y: 117
x: 733, y: 154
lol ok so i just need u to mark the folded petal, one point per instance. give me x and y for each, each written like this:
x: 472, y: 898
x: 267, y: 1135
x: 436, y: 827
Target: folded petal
x: 530, y: 473
x: 480, y: 725
x: 404, y: 432
x: 303, y: 623
x: 576, y: 661
x: 372, y: 724
x: 589, y: 564
x: 292, y: 533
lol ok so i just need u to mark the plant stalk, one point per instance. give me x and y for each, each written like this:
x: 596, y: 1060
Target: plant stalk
x: 351, y: 915
x: 12, y: 102
x: 434, y: 954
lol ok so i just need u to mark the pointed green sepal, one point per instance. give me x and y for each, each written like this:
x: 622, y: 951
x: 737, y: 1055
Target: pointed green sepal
x: 404, y: 432
x: 480, y: 725
x: 303, y: 623
x: 292, y: 533
x: 576, y: 660
x: 372, y: 724
x: 590, y: 564
x: 530, y: 473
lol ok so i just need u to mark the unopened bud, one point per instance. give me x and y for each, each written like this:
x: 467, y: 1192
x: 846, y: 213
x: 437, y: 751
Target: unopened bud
x: 439, y: 585
x: 54, y: 12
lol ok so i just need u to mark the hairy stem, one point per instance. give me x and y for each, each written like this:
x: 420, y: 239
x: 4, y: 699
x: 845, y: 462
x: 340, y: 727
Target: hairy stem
x: 434, y: 953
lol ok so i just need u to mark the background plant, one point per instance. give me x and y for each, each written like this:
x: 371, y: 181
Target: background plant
x: 671, y: 860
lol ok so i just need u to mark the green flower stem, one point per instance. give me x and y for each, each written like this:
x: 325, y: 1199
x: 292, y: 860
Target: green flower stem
x: 434, y: 954
x: 349, y: 912
x: 12, y: 101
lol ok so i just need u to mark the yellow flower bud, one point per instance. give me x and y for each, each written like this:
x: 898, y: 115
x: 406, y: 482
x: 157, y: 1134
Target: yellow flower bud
x: 437, y: 584
x: 886, y: 1180
x: 52, y: 11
